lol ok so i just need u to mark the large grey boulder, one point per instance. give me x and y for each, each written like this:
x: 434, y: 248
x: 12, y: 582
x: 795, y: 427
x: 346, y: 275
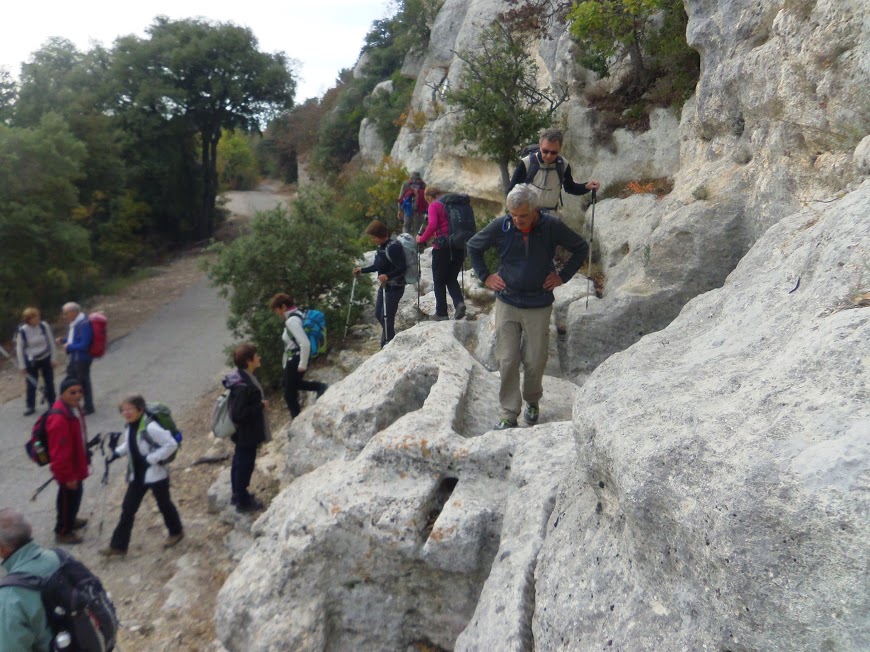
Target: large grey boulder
x: 721, y: 498
x: 406, y: 520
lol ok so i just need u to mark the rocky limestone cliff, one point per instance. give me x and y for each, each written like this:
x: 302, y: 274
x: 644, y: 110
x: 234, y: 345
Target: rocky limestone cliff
x: 712, y: 490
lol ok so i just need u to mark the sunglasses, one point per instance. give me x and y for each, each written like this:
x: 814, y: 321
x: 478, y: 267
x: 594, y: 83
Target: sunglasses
x: 550, y: 152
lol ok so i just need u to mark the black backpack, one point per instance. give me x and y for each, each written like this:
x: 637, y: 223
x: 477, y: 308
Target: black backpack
x: 535, y: 163
x: 37, y: 445
x: 76, y: 604
x: 460, y: 220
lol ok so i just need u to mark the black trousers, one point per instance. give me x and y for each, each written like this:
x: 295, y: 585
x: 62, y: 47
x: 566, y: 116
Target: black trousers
x: 446, y: 265
x: 68, y: 503
x: 244, y: 460
x: 33, y: 369
x: 387, y: 319
x: 293, y: 382
x: 132, y: 499
x: 81, y: 371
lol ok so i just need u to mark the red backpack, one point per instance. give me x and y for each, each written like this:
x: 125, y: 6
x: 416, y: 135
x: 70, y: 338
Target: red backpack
x: 99, y: 325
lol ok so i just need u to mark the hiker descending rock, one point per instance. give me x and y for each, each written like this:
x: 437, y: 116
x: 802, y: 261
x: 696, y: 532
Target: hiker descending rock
x: 544, y: 168
x: 390, y: 265
x: 77, y: 344
x: 37, y: 353
x: 526, y: 240
x: 247, y: 410
x: 297, y: 352
x: 446, y: 259
x: 66, y: 433
x: 148, y: 446
x: 412, y: 204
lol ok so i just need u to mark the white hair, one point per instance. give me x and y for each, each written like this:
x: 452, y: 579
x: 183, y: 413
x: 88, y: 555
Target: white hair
x: 15, y: 531
x: 523, y: 194
x: 71, y: 306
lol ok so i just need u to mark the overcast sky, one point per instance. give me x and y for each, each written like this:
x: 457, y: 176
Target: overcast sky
x: 323, y: 35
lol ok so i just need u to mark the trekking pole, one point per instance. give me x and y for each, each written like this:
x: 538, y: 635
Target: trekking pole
x: 591, y: 238
x: 350, y: 305
x: 39, y: 490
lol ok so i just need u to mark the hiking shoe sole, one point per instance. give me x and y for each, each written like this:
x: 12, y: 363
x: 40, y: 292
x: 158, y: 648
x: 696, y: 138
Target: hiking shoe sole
x: 460, y: 312
x: 505, y: 424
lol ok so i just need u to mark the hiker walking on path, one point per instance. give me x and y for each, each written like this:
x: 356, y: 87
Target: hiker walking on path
x: 412, y: 204
x: 23, y: 621
x: 37, y: 353
x: 247, y: 411
x: 67, y: 449
x: 390, y: 266
x: 546, y: 170
x: 146, y: 444
x: 446, y: 261
x: 526, y: 240
x: 77, y: 344
x: 297, y: 352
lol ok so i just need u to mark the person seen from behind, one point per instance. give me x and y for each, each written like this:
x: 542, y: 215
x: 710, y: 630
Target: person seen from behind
x: 77, y: 344
x: 446, y: 261
x: 297, y: 352
x: 23, y: 623
x: 146, y: 444
x: 390, y: 266
x: 247, y: 411
x: 67, y: 450
x: 542, y: 169
x: 37, y: 353
x: 526, y: 240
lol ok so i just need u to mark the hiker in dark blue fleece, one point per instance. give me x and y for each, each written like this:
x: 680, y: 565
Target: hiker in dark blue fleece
x: 78, y: 344
x: 390, y: 266
x: 526, y: 240
x: 247, y: 411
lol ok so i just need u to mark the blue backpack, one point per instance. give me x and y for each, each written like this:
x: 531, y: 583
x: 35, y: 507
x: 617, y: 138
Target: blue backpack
x: 314, y: 323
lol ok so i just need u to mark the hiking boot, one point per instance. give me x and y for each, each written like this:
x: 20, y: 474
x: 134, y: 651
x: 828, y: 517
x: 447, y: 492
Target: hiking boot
x: 504, y: 424
x: 29, y: 411
x: 173, y: 539
x: 322, y: 390
x: 438, y: 317
x: 532, y: 413
x: 460, y: 312
x: 79, y: 523
x: 252, y: 505
x: 112, y: 552
x: 69, y: 538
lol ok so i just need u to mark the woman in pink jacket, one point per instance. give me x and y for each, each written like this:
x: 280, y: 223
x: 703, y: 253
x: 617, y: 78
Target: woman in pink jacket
x: 446, y: 262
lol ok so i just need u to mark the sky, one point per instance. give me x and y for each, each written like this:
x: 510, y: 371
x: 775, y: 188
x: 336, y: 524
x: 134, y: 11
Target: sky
x: 324, y: 36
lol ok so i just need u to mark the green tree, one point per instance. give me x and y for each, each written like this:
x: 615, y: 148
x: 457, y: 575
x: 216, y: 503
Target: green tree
x: 616, y: 30
x: 208, y: 77
x: 46, y: 254
x: 8, y: 95
x: 237, y: 167
x: 309, y: 256
x: 498, y: 98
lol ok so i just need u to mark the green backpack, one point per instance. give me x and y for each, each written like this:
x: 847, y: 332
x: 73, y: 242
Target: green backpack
x: 163, y: 416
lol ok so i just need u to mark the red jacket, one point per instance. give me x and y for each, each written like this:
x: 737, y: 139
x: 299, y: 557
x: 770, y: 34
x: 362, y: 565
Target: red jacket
x: 66, y: 444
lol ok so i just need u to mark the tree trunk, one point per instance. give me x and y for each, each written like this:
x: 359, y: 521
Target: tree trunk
x: 505, y: 175
x: 209, y: 190
x: 638, y: 69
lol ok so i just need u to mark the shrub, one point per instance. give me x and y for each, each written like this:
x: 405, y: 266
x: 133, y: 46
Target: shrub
x: 308, y: 254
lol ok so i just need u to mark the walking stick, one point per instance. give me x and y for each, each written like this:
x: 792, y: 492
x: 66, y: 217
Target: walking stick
x: 39, y: 490
x: 591, y: 238
x: 350, y: 305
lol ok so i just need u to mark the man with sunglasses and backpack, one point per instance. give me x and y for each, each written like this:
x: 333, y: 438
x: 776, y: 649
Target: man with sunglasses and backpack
x: 543, y: 168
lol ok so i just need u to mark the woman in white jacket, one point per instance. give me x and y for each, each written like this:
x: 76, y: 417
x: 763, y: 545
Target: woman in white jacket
x: 146, y: 444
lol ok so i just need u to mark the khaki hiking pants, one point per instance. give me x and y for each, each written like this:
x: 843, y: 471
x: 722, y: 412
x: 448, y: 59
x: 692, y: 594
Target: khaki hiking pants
x: 522, y: 335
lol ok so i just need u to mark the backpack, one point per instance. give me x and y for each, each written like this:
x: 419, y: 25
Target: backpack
x: 460, y: 220
x: 163, y: 416
x: 412, y: 256
x: 75, y: 603
x: 37, y: 445
x: 99, y: 326
x: 19, y: 332
x: 222, y: 425
x: 314, y: 324
x: 416, y: 192
x: 533, y: 164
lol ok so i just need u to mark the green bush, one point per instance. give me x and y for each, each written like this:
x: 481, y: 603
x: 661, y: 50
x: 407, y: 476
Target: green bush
x: 308, y: 254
